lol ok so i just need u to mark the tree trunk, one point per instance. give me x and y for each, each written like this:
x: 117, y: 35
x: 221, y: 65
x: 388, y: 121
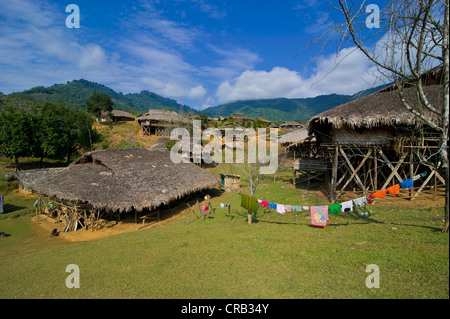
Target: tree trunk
x: 16, y: 162
x: 445, y: 113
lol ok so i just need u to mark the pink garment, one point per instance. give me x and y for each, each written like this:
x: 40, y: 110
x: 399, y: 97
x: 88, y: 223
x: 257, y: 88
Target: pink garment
x: 264, y: 203
x: 319, y: 215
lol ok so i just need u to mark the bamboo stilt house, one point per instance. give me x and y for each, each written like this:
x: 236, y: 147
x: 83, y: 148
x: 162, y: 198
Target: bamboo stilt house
x: 374, y: 141
x: 160, y: 122
x: 119, y: 180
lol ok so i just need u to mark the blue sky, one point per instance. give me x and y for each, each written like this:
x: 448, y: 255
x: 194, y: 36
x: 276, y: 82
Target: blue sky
x: 199, y: 52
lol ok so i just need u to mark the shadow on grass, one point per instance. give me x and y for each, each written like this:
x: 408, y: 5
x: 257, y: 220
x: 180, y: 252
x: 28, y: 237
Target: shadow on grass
x: 9, y: 208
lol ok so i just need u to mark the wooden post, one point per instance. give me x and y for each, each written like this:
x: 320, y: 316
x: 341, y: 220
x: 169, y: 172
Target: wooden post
x: 375, y: 177
x: 411, y: 172
x: 334, y: 174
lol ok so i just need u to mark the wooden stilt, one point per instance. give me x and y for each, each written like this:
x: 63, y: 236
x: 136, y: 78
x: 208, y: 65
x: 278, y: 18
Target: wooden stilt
x: 334, y: 174
x: 411, y: 172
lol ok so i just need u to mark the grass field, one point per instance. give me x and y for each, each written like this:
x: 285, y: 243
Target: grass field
x: 278, y: 256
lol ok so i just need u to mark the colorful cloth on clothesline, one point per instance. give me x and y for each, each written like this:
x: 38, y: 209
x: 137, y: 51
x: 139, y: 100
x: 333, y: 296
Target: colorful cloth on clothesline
x: 407, y: 184
x: 249, y: 203
x: 394, y: 190
x: 348, y: 205
x: 334, y: 209
x: 360, y: 202
x: 379, y: 194
x: 288, y: 208
x: 296, y: 208
x: 281, y: 209
x: 319, y: 215
x: 273, y: 205
x: 264, y: 204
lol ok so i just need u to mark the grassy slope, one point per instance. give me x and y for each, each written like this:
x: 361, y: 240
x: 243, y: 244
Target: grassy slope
x: 279, y: 256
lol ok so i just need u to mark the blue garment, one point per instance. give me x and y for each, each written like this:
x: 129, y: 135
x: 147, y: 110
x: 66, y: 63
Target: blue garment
x: 273, y: 205
x: 408, y: 183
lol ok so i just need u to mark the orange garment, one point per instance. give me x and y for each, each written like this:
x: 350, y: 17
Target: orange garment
x: 379, y: 194
x: 393, y: 190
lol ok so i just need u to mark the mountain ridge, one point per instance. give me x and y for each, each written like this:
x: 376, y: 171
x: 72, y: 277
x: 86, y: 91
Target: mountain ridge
x: 75, y: 93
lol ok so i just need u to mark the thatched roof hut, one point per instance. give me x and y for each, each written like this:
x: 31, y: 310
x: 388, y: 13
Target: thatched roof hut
x: 373, y: 118
x: 291, y: 125
x: 238, y: 116
x: 160, y: 122
x: 117, y: 116
x: 119, y: 180
x: 160, y: 115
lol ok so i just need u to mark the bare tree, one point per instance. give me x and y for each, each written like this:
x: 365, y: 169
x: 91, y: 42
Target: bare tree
x: 404, y: 40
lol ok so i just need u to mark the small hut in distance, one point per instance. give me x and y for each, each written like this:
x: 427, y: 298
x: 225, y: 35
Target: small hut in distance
x: 116, y: 116
x: 160, y: 122
x: 291, y: 125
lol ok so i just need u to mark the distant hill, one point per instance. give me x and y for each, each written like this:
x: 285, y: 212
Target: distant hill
x: 75, y: 93
x: 284, y: 109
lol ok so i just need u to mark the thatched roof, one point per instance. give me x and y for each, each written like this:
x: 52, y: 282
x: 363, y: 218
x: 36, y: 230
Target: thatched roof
x: 382, y: 108
x: 291, y: 123
x: 118, y: 113
x: 119, y: 180
x: 238, y: 116
x: 295, y: 137
x: 161, y: 115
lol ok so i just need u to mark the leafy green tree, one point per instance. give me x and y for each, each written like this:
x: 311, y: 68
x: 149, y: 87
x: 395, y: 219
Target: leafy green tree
x: 98, y: 103
x: 17, y: 134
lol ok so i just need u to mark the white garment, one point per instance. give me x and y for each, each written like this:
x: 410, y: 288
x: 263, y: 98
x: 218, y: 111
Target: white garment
x: 361, y: 201
x: 347, y: 204
x: 281, y: 209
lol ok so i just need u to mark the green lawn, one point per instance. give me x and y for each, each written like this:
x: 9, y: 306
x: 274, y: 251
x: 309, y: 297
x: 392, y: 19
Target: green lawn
x: 279, y: 256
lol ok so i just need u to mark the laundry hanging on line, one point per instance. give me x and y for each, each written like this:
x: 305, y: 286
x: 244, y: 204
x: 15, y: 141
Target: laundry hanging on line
x: 319, y: 215
x: 394, y: 190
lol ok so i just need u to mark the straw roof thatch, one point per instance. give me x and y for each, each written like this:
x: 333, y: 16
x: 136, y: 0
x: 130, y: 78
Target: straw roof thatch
x: 161, y: 115
x: 118, y: 114
x: 238, y: 116
x: 382, y: 108
x: 120, y: 179
x: 295, y: 137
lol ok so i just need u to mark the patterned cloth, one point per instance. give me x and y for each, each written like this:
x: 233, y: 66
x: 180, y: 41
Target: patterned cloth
x: 319, y: 215
x: 360, y: 202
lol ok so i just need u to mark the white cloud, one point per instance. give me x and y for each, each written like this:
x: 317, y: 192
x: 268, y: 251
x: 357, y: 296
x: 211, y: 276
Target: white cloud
x: 196, y: 93
x: 348, y: 73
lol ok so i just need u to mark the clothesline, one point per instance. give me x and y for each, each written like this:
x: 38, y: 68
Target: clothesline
x: 319, y: 214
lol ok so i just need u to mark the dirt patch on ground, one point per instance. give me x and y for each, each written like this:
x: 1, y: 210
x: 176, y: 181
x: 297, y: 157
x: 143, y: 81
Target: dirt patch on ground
x: 43, y: 226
